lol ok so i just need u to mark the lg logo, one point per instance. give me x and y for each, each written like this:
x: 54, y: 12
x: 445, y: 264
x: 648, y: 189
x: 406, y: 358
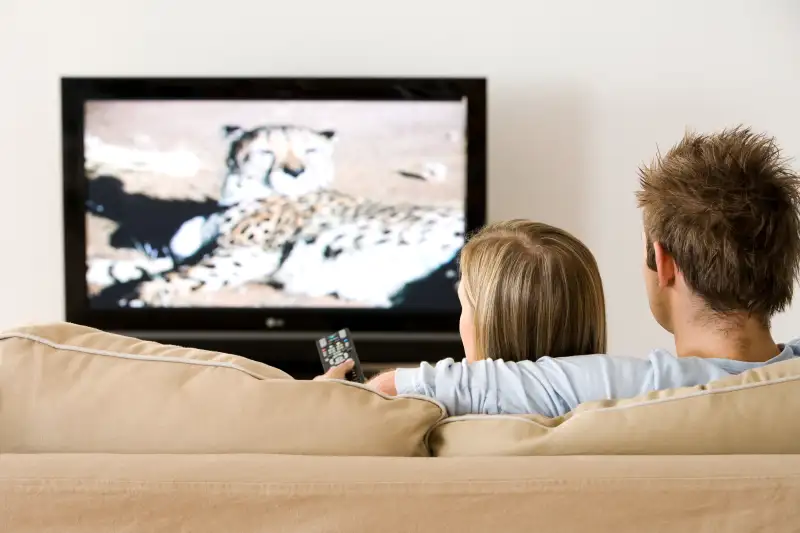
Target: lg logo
x: 273, y: 323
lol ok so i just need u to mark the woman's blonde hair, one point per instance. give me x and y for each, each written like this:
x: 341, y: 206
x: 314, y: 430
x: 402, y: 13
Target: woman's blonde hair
x: 535, y: 290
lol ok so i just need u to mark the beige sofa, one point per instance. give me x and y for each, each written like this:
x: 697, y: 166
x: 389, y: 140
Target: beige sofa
x: 102, y: 433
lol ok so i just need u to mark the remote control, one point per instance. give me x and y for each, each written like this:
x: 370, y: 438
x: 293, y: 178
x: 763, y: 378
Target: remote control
x: 337, y: 348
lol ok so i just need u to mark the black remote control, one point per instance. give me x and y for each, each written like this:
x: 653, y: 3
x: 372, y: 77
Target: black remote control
x: 337, y: 348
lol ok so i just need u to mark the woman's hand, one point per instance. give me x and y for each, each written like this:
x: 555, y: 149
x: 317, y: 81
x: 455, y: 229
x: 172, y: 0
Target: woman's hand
x: 383, y: 383
x: 337, y: 372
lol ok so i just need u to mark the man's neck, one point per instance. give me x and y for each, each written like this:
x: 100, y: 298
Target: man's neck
x: 740, y: 339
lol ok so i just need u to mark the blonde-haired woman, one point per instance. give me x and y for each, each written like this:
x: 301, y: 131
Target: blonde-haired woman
x: 529, y: 290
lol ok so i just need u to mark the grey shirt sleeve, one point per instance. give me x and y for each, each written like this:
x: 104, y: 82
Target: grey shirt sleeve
x: 549, y: 387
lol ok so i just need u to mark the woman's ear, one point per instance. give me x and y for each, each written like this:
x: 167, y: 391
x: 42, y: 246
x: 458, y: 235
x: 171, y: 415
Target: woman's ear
x: 665, y: 266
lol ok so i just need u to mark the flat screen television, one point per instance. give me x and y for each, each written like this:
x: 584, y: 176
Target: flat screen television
x: 294, y: 206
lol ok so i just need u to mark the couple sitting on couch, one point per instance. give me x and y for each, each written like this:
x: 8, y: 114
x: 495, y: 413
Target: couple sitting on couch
x: 721, y: 255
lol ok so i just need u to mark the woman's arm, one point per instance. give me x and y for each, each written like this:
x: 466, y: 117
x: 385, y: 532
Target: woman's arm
x: 483, y: 387
x: 548, y: 387
x: 384, y: 382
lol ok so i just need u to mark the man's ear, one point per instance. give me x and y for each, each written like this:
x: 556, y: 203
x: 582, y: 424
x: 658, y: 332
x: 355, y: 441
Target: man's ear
x: 665, y: 266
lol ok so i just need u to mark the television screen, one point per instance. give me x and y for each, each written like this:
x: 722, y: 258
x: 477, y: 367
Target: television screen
x: 274, y: 204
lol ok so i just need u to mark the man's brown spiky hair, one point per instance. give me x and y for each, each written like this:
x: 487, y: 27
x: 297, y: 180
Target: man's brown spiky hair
x: 725, y: 207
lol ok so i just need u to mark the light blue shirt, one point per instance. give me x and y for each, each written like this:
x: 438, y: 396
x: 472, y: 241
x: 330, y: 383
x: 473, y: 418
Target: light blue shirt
x: 553, y: 387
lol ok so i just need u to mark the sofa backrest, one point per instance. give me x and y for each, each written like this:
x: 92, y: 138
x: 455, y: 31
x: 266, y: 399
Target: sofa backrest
x: 69, y: 388
x: 751, y: 413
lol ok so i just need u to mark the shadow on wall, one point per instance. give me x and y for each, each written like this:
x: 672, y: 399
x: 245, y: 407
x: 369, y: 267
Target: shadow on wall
x: 539, y: 163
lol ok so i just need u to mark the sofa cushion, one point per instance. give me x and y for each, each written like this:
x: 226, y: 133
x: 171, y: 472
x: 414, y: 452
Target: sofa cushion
x: 751, y: 413
x: 69, y: 388
x: 102, y: 493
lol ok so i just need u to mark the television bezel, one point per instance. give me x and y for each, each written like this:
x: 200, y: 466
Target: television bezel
x: 76, y: 91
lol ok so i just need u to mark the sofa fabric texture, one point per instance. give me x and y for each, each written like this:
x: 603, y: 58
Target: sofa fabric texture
x: 101, y: 432
x: 97, y: 493
x: 72, y: 389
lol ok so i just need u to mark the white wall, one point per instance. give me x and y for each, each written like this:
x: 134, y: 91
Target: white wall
x: 581, y: 93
